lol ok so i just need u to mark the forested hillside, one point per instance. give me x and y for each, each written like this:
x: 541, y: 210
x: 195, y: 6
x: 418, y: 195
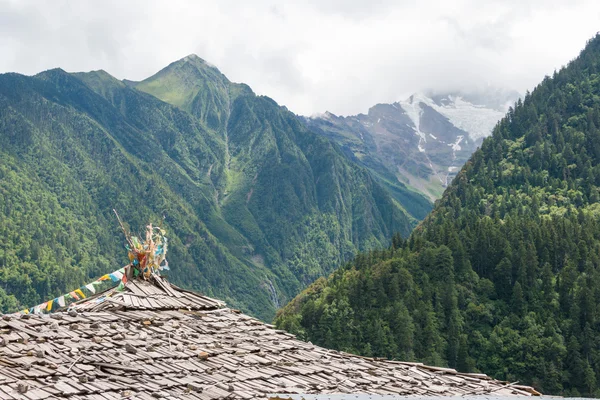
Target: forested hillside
x: 504, y: 275
x: 255, y: 205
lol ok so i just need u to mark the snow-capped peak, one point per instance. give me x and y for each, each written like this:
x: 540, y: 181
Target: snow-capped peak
x: 477, y: 120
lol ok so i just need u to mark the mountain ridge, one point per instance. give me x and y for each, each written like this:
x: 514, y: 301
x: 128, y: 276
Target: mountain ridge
x: 258, y: 205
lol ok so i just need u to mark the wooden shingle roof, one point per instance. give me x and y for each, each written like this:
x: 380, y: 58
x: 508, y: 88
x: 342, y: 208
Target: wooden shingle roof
x: 154, y: 340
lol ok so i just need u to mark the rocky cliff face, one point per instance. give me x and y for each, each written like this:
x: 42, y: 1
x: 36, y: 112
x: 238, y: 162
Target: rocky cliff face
x: 418, y: 144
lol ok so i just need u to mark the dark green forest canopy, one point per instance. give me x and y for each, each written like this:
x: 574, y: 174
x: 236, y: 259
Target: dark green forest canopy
x: 256, y: 206
x: 504, y: 275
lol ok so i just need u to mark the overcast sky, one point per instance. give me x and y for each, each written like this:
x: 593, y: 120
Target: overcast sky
x: 311, y: 55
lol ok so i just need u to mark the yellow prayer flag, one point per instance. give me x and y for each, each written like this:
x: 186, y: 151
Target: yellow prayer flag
x: 80, y: 293
x: 49, y: 306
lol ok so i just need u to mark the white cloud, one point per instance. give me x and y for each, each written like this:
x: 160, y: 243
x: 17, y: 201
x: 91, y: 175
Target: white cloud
x: 312, y: 56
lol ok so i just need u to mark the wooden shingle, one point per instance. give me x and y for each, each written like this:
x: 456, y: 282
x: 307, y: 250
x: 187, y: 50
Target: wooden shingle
x: 155, y: 340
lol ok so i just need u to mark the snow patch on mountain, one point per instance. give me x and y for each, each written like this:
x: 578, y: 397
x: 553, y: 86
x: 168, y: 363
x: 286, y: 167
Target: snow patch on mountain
x: 477, y: 120
x: 413, y: 109
x: 456, y: 145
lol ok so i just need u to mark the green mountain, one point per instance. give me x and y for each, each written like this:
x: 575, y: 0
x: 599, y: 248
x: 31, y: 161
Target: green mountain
x: 256, y: 205
x: 504, y: 275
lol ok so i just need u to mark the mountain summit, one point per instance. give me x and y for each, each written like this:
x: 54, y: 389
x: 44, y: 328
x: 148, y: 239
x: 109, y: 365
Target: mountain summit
x: 194, y: 86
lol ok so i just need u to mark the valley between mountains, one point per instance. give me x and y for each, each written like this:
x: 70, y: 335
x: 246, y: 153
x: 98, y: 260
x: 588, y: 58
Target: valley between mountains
x: 259, y: 202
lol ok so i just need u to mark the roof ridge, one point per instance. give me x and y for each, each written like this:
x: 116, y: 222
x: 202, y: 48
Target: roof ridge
x: 134, y: 295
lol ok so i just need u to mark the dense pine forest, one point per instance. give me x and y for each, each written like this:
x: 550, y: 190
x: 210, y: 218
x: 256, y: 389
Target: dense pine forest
x: 504, y: 275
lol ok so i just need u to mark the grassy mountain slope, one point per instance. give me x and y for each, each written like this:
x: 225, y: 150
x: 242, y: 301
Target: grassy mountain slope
x: 504, y: 275
x: 256, y: 205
